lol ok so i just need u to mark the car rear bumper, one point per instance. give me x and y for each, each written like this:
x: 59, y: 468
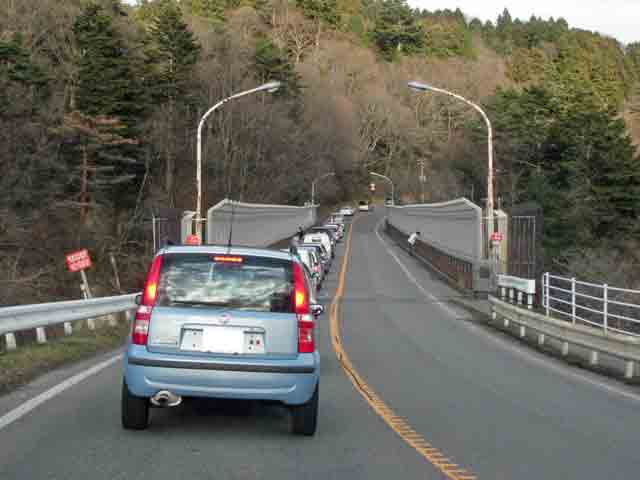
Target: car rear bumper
x: 289, y: 381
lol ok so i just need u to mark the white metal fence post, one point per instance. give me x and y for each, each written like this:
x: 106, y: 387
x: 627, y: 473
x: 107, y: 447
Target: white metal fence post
x: 545, y: 290
x: 573, y: 301
x: 605, y: 300
x: 10, y: 341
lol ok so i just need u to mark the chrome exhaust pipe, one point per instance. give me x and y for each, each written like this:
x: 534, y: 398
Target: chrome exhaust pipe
x: 165, y: 399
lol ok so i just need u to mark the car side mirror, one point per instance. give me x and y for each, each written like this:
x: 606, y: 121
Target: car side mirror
x: 138, y: 299
x: 317, y: 310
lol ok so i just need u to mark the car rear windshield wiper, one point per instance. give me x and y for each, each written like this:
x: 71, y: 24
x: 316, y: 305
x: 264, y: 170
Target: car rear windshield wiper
x: 200, y: 303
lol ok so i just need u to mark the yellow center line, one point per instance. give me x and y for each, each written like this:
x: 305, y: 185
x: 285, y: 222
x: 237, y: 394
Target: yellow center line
x: 399, y: 425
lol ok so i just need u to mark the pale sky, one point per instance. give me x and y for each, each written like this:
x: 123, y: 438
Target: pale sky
x: 616, y: 18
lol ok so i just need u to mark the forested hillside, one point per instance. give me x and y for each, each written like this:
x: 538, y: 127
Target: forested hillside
x: 99, y: 104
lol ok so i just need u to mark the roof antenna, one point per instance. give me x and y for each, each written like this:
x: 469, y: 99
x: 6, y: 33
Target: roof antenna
x: 233, y: 211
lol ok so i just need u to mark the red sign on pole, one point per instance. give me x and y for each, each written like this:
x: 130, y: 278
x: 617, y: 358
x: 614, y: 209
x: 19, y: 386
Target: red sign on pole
x: 497, y: 237
x: 192, y: 240
x: 79, y: 260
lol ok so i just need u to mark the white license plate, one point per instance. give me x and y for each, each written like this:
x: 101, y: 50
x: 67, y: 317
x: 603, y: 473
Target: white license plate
x: 223, y: 340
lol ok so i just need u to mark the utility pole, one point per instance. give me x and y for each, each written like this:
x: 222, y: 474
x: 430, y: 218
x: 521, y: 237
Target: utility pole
x: 423, y: 179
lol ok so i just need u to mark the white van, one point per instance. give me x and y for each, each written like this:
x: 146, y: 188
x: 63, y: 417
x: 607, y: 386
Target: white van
x: 319, y: 237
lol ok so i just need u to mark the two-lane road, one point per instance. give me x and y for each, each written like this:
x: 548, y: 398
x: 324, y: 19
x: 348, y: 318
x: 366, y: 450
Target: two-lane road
x: 490, y: 406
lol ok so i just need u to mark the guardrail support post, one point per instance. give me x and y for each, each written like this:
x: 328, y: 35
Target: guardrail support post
x: 519, y: 297
x: 605, y: 307
x: 565, y: 349
x: 530, y: 301
x: 593, y: 358
x: 573, y: 301
x: 10, y: 341
x: 541, y: 339
x: 629, y: 368
x: 41, y: 336
x: 511, y: 300
x: 113, y: 321
x: 493, y: 314
x: 523, y: 331
x: 68, y: 329
x: 91, y: 324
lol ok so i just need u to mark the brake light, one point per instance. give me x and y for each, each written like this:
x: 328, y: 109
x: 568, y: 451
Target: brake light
x: 300, y: 298
x: 306, y: 325
x: 140, y: 330
x: 227, y: 259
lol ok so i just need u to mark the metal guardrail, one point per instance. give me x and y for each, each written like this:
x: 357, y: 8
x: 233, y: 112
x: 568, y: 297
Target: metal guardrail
x: 450, y: 240
x: 598, y: 305
x: 624, y: 347
x: 452, y: 227
x: 517, y: 289
x: 38, y: 316
x: 459, y: 273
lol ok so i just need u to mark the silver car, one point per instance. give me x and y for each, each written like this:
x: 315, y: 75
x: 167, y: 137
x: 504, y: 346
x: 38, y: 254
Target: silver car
x: 215, y: 322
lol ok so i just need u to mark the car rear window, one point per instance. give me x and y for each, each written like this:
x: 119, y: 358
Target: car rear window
x: 203, y: 280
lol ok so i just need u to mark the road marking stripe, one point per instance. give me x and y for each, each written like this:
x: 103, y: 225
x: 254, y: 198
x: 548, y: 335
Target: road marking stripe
x: 451, y: 470
x: 525, y: 353
x: 35, y: 402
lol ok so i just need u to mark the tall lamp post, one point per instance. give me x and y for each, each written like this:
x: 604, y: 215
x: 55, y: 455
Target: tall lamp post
x: 393, y: 188
x: 423, y: 87
x: 269, y: 87
x: 313, y: 186
x: 423, y: 179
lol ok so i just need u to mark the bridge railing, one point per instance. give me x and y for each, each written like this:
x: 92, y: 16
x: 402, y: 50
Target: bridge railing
x: 451, y: 240
x: 598, y: 305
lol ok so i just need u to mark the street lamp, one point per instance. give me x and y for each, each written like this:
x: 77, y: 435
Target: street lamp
x: 313, y: 186
x: 268, y: 87
x: 393, y: 188
x: 422, y: 87
x: 423, y: 179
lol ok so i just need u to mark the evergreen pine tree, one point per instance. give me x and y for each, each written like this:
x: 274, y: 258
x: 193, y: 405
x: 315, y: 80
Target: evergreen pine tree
x: 106, y: 82
x: 397, y: 30
x: 271, y: 63
x: 172, y: 53
x: 108, y: 98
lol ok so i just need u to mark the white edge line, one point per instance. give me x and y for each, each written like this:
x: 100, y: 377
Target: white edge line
x: 412, y: 279
x: 35, y: 402
x: 525, y: 353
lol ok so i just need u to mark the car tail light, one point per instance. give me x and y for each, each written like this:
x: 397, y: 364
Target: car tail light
x: 227, y: 259
x: 306, y: 334
x: 306, y: 325
x: 140, y: 331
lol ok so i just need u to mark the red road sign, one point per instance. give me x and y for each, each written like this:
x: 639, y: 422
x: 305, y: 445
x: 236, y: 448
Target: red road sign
x: 79, y: 260
x: 192, y: 240
x: 497, y: 237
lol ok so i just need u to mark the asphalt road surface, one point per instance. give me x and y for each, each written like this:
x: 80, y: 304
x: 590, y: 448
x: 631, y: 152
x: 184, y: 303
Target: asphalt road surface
x: 490, y: 405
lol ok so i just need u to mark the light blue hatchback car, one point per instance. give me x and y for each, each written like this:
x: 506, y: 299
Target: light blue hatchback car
x: 218, y: 322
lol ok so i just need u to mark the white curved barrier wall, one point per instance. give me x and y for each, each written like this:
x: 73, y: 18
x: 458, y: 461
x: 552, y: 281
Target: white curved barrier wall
x: 256, y: 225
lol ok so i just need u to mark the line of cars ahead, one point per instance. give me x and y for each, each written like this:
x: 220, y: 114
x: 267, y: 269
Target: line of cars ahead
x: 233, y: 323
x: 316, y: 248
